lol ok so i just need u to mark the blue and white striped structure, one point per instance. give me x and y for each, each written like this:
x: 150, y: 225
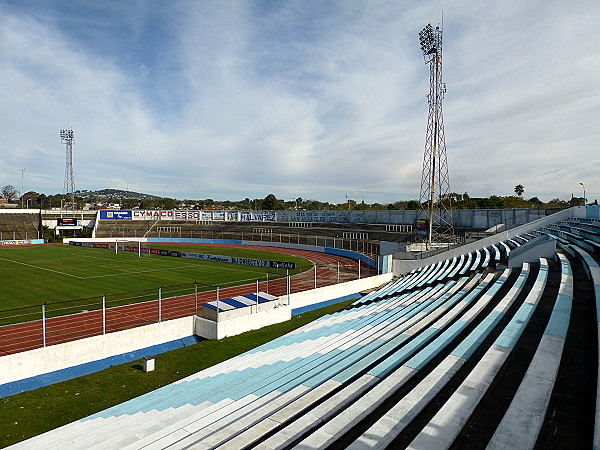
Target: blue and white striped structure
x: 385, y: 430
x: 525, y: 416
x: 241, y: 301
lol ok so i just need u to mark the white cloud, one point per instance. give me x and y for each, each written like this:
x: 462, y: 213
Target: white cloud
x: 318, y: 99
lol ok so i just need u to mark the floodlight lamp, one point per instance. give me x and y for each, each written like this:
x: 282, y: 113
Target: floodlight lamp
x: 66, y: 134
x: 428, y: 40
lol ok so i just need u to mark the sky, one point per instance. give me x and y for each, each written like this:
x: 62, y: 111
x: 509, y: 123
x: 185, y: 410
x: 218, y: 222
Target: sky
x: 319, y: 99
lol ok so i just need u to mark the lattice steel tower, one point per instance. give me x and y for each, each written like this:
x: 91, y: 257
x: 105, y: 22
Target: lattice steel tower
x: 435, y: 211
x: 67, y: 137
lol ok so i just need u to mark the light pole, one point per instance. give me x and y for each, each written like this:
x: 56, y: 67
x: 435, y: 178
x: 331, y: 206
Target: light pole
x: 67, y: 137
x: 583, y: 193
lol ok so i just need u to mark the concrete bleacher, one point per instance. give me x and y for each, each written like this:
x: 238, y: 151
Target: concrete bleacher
x: 414, y: 364
x: 20, y: 226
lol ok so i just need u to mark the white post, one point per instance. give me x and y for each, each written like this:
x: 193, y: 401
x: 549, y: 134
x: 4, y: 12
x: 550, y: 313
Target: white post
x: 289, y: 285
x: 104, y: 314
x: 44, y: 323
x: 315, y: 266
x: 359, y: 269
x: 338, y: 272
x: 160, y: 304
x: 217, y: 300
x: 257, y: 295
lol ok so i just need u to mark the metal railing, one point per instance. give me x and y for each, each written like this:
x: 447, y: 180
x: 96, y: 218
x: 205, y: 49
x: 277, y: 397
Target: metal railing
x: 57, y: 322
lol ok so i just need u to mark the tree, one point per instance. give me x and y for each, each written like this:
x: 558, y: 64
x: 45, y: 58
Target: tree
x: 519, y: 189
x: 270, y: 202
x: 9, y: 192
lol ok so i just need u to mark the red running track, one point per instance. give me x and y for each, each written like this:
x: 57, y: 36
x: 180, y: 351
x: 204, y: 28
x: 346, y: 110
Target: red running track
x: 29, y: 335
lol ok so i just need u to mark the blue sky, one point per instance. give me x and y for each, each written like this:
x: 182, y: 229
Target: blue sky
x: 318, y: 99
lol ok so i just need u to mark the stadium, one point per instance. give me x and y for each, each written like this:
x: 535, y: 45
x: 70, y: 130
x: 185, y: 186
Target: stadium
x: 445, y: 321
x: 473, y: 346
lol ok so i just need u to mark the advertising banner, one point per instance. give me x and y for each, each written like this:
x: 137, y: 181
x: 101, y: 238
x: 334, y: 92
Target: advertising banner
x: 257, y: 216
x: 18, y: 242
x: 186, y: 215
x: 190, y: 255
x: 282, y: 265
x: 106, y: 214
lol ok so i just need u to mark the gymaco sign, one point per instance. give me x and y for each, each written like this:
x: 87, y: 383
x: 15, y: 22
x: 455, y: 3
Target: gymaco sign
x: 179, y: 215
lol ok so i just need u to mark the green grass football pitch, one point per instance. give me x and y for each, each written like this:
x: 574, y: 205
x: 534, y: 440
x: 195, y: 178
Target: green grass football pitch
x: 37, y: 274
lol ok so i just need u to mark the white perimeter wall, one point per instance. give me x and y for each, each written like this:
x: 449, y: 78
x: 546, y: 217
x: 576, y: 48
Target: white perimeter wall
x: 56, y: 357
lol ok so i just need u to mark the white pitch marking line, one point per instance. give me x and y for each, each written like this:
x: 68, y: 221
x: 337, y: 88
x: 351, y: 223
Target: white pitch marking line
x: 43, y: 268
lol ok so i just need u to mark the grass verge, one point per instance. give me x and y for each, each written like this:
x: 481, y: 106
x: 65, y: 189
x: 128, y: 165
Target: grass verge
x: 34, y: 412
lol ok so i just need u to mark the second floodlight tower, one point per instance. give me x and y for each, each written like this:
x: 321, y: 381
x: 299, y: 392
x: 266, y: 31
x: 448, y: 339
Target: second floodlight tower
x: 435, y: 211
x: 67, y: 137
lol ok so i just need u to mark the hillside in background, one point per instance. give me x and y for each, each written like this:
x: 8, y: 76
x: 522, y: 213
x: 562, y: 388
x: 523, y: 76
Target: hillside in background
x: 113, y: 194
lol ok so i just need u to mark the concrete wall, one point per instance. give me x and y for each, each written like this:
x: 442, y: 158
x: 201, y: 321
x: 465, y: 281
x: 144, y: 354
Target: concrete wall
x: 592, y: 212
x: 469, y: 218
x: 56, y: 357
x: 402, y: 266
x: 532, y: 251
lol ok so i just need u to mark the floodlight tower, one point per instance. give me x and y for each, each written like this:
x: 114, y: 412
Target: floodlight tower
x: 67, y: 137
x: 434, y: 200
